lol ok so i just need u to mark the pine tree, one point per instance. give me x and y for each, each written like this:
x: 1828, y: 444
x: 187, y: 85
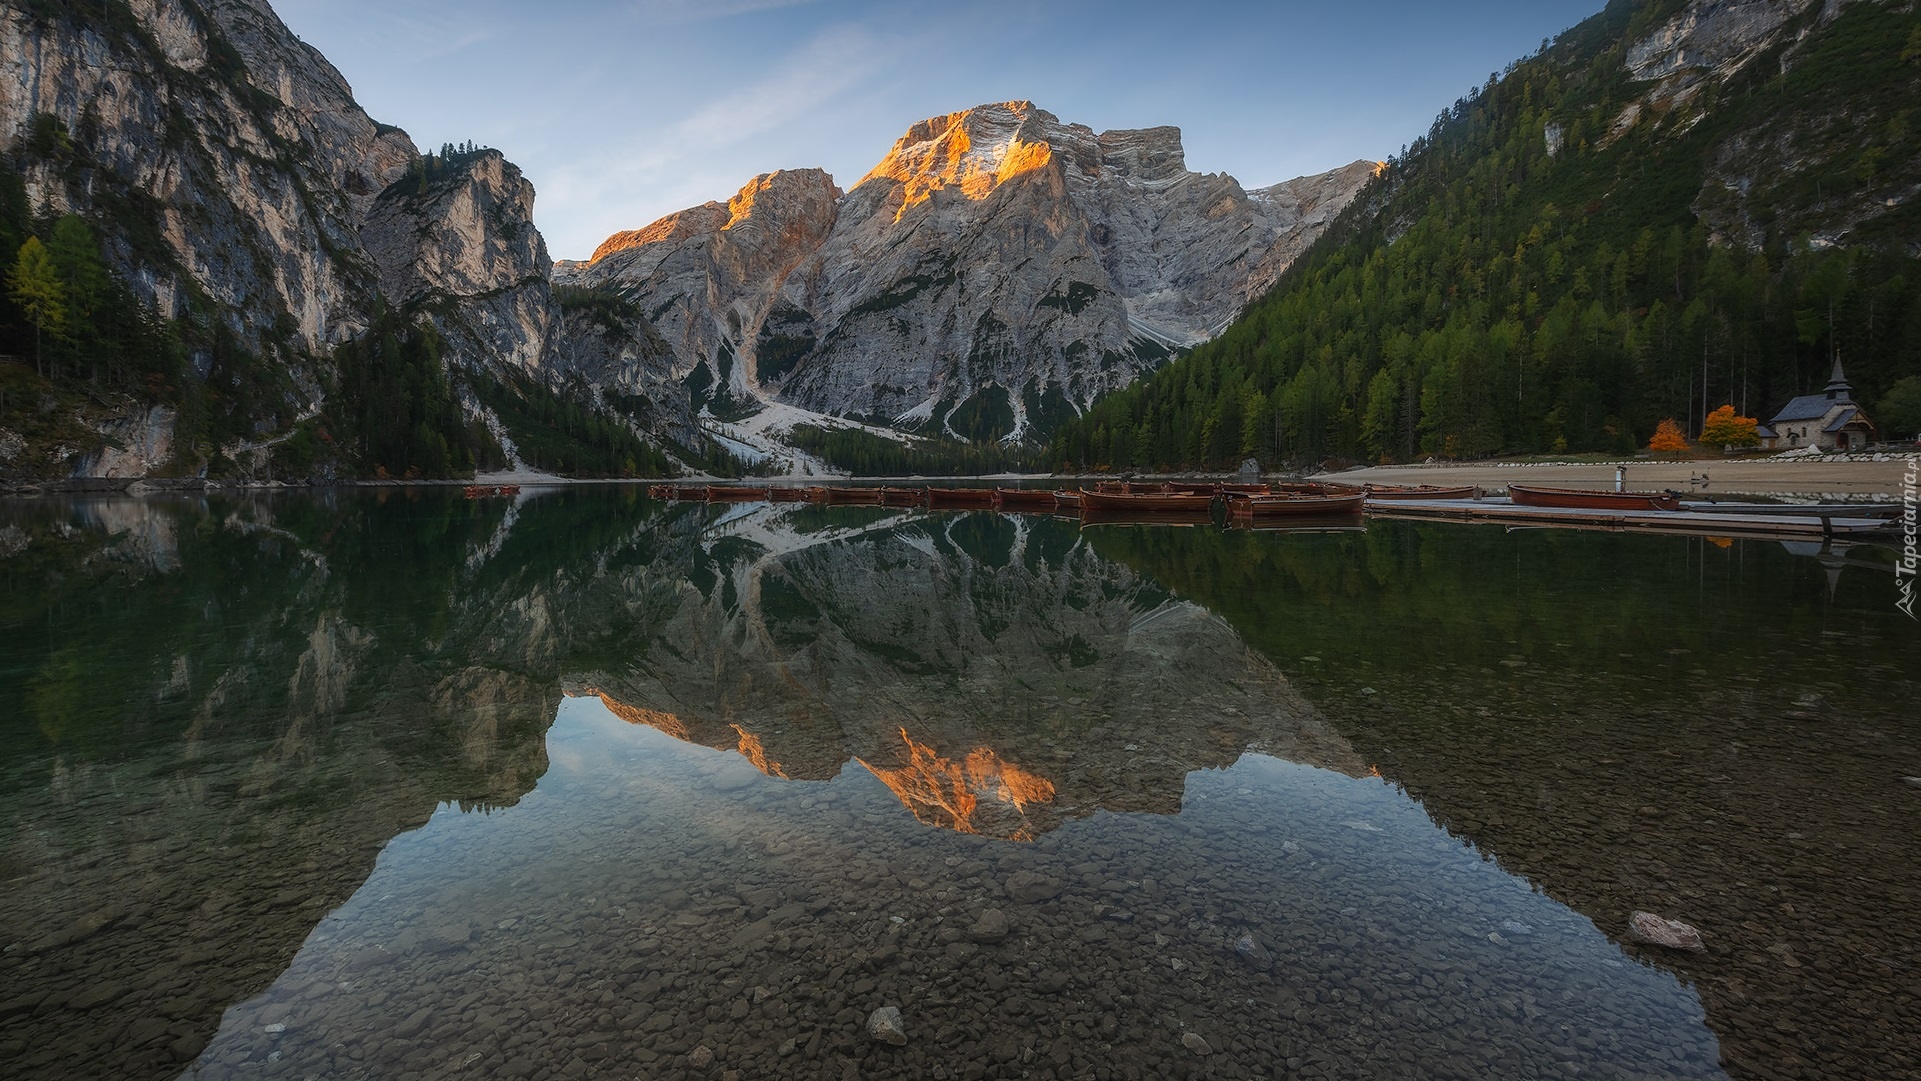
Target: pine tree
x: 35, y: 286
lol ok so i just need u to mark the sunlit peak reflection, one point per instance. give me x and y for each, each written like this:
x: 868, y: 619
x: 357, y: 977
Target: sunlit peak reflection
x: 980, y: 794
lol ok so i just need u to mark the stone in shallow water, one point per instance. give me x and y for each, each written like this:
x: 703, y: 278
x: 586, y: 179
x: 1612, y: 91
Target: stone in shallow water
x: 1028, y: 887
x: 1659, y: 931
x: 1252, y: 953
x: 884, y: 1026
x: 990, y: 927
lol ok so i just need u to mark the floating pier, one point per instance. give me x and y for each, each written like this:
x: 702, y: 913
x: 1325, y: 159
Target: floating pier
x: 1694, y: 519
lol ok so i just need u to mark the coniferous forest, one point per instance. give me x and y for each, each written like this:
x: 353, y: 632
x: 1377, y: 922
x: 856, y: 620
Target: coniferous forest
x: 1552, y: 270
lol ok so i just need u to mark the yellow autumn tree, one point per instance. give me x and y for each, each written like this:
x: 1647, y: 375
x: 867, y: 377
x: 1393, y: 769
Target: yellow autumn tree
x: 1723, y: 429
x: 1667, y: 436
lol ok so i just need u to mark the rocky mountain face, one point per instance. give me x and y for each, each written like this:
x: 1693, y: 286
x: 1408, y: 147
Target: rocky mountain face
x: 236, y: 181
x: 996, y: 271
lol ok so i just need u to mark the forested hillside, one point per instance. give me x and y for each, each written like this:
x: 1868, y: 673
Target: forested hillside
x: 1573, y: 253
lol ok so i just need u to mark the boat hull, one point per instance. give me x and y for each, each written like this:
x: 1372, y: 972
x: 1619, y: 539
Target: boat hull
x: 1261, y: 507
x: 1423, y: 491
x: 1027, y: 498
x: 1528, y: 496
x: 1144, y: 503
x: 960, y: 498
x: 727, y: 494
x: 854, y: 496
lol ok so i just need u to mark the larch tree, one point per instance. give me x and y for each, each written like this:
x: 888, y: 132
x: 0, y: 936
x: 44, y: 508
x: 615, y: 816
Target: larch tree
x: 35, y: 286
x: 1668, y: 437
x: 1722, y: 428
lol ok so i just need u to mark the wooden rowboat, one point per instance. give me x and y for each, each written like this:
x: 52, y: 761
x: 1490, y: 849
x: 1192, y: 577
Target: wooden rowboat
x: 1160, y: 503
x: 901, y: 497
x: 867, y: 496
x: 1422, y: 491
x: 786, y: 495
x: 971, y: 498
x: 1529, y: 496
x: 1068, y: 498
x: 1280, y: 506
x: 1026, y: 498
x: 816, y: 494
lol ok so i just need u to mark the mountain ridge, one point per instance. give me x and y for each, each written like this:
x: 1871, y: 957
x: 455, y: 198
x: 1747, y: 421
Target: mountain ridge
x: 992, y: 273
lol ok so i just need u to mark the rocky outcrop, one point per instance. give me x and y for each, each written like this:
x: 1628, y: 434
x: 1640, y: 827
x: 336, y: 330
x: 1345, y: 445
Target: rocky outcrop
x: 1747, y: 193
x: 233, y: 176
x: 221, y: 149
x: 997, y: 270
x: 463, y: 244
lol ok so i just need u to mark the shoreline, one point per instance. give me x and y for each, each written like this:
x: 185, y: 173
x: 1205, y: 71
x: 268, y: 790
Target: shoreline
x: 1699, y: 477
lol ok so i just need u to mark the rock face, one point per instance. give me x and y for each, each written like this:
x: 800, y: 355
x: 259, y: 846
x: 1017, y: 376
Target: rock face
x: 241, y: 147
x: 468, y: 237
x: 997, y: 270
x: 1708, y: 43
x: 230, y: 171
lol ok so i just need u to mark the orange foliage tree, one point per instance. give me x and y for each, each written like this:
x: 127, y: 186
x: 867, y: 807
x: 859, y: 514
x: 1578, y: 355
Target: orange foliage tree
x: 1723, y: 429
x: 1667, y: 436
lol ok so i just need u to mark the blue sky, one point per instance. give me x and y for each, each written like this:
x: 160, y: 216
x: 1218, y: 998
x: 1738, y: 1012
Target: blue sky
x: 621, y: 111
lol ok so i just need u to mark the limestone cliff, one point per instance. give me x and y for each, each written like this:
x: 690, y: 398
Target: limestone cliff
x: 996, y: 271
x: 237, y: 185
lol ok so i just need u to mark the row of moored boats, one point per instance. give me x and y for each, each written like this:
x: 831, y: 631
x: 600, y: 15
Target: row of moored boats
x: 1250, y: 501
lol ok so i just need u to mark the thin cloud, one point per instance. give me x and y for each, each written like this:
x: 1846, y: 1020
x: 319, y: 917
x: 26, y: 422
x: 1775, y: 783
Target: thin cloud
x: 829, y: 66
x: 675, y: 12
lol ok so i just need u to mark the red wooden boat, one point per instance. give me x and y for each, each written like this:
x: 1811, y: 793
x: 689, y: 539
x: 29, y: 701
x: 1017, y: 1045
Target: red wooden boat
x: 1026, y: 498
x: 901, y: 497
x: 1250, y: 489
x: 1068, y: 498
x: 1529, y: 496
x: 867, y: 496
x: 969, y: 498
x: 816, y: 494
x: 1280, y: 506
x: 1157, y: 503
x: 482, y: 491
x: 786, y: 495
x: 1184, y: 488
x: 722, y: 493
x: 1422, y: 491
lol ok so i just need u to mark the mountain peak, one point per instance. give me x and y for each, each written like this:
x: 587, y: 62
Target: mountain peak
x: 975, y: 150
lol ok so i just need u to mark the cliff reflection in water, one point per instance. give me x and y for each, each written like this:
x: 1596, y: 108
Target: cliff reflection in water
x: 994, y: 672
x: 229, y: 706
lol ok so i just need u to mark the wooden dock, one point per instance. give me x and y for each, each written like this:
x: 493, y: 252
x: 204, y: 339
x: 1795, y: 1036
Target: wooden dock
x: 1786, y: 520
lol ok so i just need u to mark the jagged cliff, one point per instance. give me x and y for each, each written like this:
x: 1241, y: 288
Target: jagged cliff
x: 241, y: 192
x: 996, y: 271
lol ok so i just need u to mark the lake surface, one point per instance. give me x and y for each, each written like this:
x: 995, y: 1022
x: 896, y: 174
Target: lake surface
x: 580, y: 785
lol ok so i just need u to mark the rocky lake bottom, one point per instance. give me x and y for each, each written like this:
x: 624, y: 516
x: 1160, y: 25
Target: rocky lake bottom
x: 584, y: 786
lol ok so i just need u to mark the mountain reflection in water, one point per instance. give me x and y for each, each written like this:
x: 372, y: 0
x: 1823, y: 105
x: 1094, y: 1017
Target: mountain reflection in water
x: 231, y: 708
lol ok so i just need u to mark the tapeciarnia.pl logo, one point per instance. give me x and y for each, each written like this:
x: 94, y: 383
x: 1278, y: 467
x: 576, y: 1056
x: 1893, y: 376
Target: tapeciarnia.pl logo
x: 1910, y: 561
